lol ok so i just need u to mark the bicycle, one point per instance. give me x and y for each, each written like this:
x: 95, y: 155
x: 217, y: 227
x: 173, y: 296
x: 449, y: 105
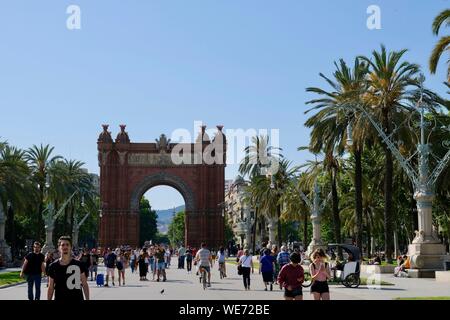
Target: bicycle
x: 307, y: 282
x: 222, y: 270
x: 203, y: 276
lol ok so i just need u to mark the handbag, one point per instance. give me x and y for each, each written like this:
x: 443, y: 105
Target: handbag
x: 240, y: 270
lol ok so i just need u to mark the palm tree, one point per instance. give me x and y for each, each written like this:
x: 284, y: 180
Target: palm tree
x: 40, y: 158
x: 389, y: 86
x: 15, y: 187
x: 68, y: 177
x: 252, y: 197
x: 330, y: 132
x: 443, y: 44
x: 294, y: 208
x: 314, y: 169
x: 258, y: 158
x: 270, y: 191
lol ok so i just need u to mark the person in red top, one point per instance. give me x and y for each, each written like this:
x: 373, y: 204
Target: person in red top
x: 291, y: 277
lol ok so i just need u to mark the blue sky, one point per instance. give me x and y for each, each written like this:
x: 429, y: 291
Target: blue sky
x: 161, y: 65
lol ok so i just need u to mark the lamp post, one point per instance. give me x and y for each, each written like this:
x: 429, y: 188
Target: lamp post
x: 51, y: 215
x: 315, y: 208
x: 426, y: 252
x: 77, y: 225
x: 273, y: 222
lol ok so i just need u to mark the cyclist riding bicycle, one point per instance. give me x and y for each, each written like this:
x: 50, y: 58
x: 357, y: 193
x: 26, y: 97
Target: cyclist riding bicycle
x: 204, y: 261
x: 221, y: 260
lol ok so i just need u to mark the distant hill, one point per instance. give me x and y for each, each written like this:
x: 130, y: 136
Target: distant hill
x: 165, y: 217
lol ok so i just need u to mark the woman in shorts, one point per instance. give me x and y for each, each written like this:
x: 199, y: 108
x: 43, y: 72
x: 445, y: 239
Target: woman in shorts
x: 320, y: 273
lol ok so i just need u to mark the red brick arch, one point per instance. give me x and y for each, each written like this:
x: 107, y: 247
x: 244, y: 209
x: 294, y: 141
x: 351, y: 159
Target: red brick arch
x: 128, y: 170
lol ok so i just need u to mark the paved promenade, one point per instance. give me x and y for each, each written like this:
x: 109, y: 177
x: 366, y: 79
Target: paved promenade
x: 180, y: 286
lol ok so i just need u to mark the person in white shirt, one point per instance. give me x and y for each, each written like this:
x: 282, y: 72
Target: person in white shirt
x: 167, y: 256
x: 246, y: 264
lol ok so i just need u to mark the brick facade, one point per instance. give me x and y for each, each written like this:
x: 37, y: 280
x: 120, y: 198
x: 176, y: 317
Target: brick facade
x: 128, y: 170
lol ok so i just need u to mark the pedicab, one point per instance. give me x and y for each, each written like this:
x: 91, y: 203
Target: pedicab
x: 347, y: 273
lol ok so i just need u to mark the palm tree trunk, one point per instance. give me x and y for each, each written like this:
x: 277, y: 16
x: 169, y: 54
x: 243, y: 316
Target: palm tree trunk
x: 336, y: 216
x: 254, y: 230
x: 369, y: 231
x: 388, y: 219
x: 40, y: 228
x: 12, y: 230
x: 279, y: 226
x: 358, y: 197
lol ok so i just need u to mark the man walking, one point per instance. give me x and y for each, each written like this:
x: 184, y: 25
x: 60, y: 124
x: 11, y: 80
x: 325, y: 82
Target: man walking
x: 181, y: 256
x: 67, y: 276
x: 32, y: 268
x: 283, y: 258
x: 189, y: 257
x: 110, y: 263
x: 94, y: 265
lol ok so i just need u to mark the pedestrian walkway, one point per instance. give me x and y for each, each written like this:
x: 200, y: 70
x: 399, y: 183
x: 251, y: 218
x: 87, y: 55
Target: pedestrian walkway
x: 183, y: 286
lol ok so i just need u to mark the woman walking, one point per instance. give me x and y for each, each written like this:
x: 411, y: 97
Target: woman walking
x: 246, y: 264
x: 276, y: 264
x: 267, y: 263
x: 142, y: 267
x: 221, y: 260
x: 121, y: 266
x: 320, y: 273
x: 132, y: 261
x: 152, y: 262
x: 160, y: 263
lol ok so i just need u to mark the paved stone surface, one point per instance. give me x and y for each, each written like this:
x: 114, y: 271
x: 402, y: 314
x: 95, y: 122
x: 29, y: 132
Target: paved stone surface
x: 181, y: 285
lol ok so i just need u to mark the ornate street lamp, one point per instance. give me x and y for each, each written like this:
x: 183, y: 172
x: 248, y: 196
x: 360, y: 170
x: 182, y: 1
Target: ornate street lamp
x: 315, y: 208
x: 426, y: 251
x: 51, y: 215
x: 77, y: 225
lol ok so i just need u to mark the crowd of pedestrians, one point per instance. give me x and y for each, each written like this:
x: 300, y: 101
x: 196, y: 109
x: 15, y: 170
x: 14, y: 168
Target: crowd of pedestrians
x: 277, y: 267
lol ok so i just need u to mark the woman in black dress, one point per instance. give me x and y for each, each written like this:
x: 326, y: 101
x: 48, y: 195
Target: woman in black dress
x: 143, y: 267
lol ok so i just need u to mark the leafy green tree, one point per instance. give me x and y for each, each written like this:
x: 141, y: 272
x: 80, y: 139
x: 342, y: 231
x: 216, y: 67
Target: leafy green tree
x: 229, y: 234
x: 176, y: 229
x: 148, y: 222
x: 443, y: 44
x: 161, y: 238
x: 390, y: 85
x: 259, y: 156
x: 40, y: 159
x: 15, y: 189
x: 329, y: 133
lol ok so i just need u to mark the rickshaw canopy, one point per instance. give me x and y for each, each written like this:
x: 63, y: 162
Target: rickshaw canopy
x: 350, y: 249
